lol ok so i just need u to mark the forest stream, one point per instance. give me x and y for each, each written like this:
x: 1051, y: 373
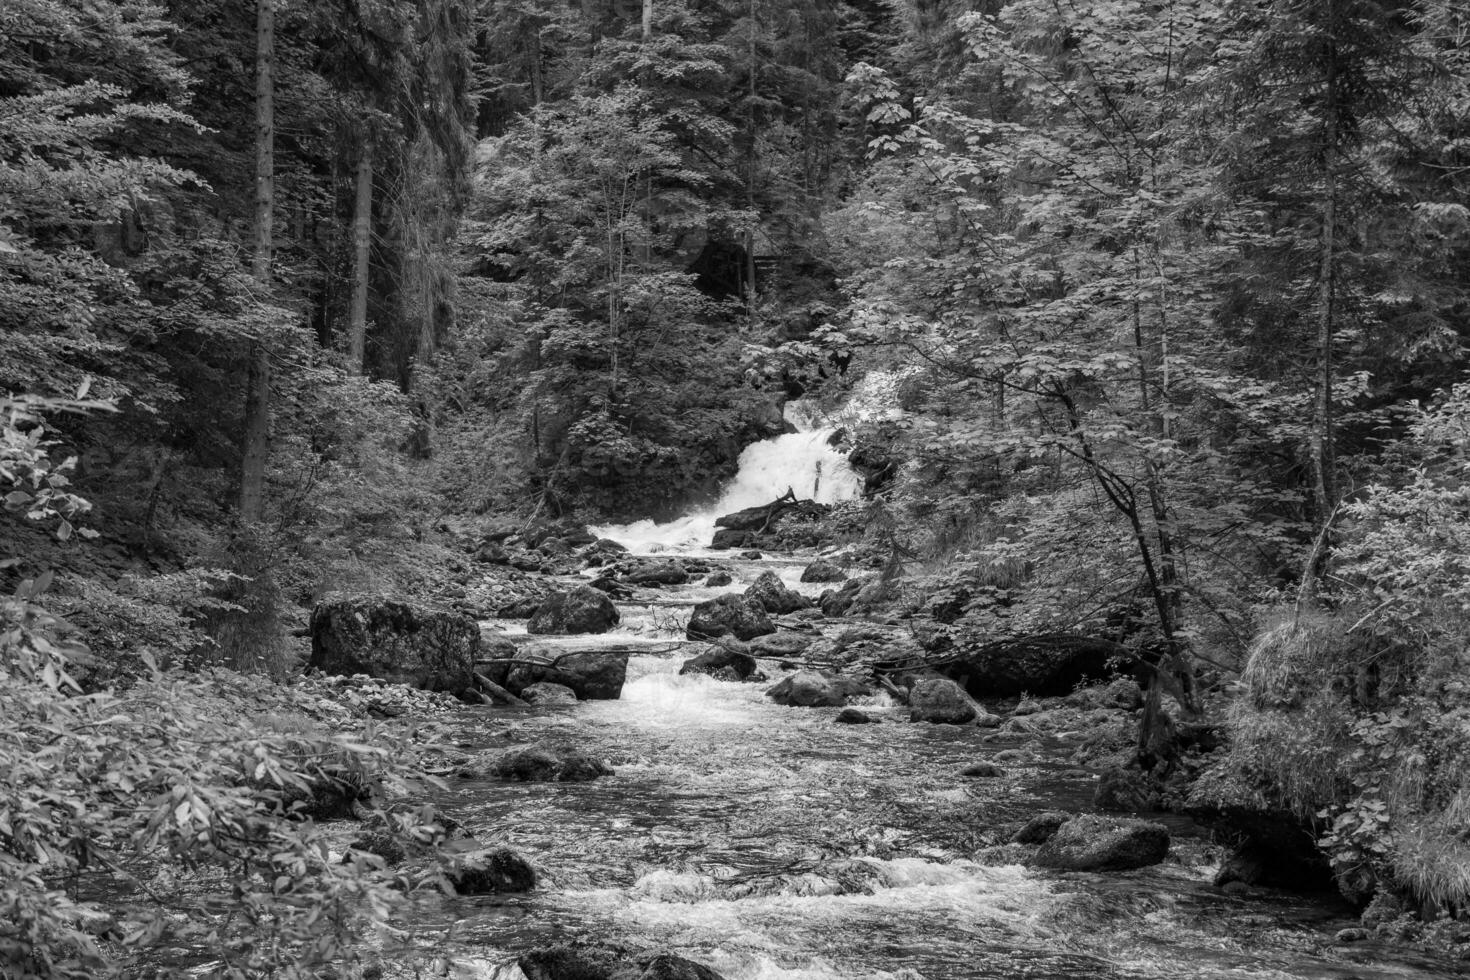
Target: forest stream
x: 767, y: 841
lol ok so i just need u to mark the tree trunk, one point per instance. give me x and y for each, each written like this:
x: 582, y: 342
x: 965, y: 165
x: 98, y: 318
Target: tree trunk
x: 1323, y: 439
x: 750, y: 170
x: 362, y: 241
x: 647, y: 19
x: 255, y: 448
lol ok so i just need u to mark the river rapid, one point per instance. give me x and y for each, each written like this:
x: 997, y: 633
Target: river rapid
x: 769, y: 842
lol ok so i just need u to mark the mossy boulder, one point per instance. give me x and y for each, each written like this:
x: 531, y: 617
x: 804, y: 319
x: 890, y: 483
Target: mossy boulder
x: 579, y: 610
x: 1096, y: 843
x: 815, y: 689
x: 941, y: 701
x: 401, y: 642
x: 774, y: 596
x: 729, y: 615
x: 491, y: 871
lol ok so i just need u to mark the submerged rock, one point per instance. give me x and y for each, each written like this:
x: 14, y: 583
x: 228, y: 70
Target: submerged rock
x: 579, y: 610
x: 717, y: 579
x: 941, y: 701
x: 732, y: 615
x: 549, y: 765
x: 397, y: 641
x: 1096, y: 843
x: 853, y: 716
x: 982, y: 770
x: 490, y: 871
x: 814, y: 689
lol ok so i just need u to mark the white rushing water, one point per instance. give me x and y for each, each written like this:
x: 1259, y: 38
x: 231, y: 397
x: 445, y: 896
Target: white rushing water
x: 804, y: 462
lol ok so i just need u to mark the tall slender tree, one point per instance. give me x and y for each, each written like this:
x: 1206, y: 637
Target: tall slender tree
x: 256, y: 443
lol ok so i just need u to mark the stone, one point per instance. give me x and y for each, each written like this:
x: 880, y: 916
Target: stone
x: 397, y: 641
x: 940, y: 701
x: 582, y: 609
x: 1096, y: 843
x: 1352, y: 935
x: 667, y: 966
x: 988, y: 720
x: 726, y: 539
x: 1125, y: 791
x: 1277, y: 841
x: 778, y: 646
x: 982, y: 770
x: 664, y: 573
x: 814, y: 689
x: 1122, y: 693
x: 730, y: 614
x: 718, y: 579
x: 1042, y: 669
x: 716, y: 658
x: 386, y: 847
x: 752, y: 555
x: 837, y: 602
x: 549, y: 765
x: 822, y: 570
x: 1040, y: 828
x: 773, y: 594
x: 593, y: 675
x: 490, y: 871
x: 853, y: 716
x: 868, y: 643
x: 1027, y: 707
x: 547, y: 693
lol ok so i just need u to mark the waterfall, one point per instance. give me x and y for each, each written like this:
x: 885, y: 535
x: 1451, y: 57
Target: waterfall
x: 804, y: 462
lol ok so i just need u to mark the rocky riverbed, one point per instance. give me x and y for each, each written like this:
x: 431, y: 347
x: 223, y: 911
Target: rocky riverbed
x: 714, y: 778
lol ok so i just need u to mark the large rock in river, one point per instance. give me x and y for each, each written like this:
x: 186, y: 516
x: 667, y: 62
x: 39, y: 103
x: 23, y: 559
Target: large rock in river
x: 729, y: 615
x: 593, y: 675
x: 662, y: 573
x: 580, y: 610
x: 815, y: 689
x: 773, y: 594
x: 1043, y: 667
x: 490, y: 871
x: 941, y: 701
x: 394, y: 640
x: 719, y: 657
x: 823, y: 570
x: 1093, y: 843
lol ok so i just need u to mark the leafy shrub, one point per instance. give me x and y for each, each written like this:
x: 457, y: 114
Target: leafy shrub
x: 174, y: 772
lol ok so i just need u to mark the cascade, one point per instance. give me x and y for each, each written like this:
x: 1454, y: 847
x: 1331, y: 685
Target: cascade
x: 803, y: 461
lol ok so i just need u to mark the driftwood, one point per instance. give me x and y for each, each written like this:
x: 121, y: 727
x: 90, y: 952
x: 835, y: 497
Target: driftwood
x: 758, y: 520
x: 493, y: 693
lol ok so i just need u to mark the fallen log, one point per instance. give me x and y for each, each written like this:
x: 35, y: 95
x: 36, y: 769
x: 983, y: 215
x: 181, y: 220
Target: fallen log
x: 494, y: 693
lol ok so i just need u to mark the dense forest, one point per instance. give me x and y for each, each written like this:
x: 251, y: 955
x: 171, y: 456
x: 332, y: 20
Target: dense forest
x: 1157, y: 310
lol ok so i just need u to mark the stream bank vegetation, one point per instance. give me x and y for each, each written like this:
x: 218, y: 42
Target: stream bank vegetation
x: 298, y: 299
